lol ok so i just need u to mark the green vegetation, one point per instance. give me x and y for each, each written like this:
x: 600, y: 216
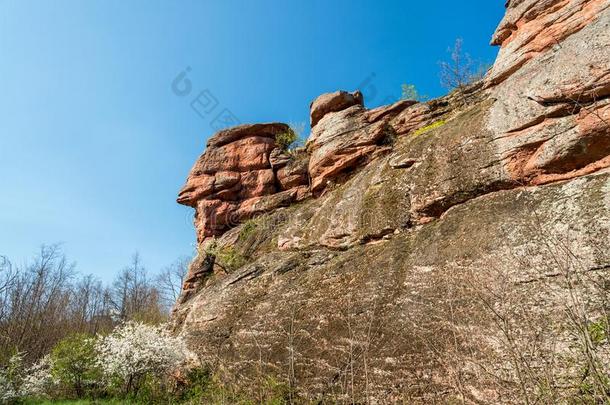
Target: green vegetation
x: 409, y: 92
x: 247, y: 229
x: 74, y: 365
x: 227, y: 257
x: 598, y: 331
x: 291, y: 139
x: 430, y: 127
x: 230, y: 258
x: 79, y: 402
x: 286, y: 139
x: 135, y: 364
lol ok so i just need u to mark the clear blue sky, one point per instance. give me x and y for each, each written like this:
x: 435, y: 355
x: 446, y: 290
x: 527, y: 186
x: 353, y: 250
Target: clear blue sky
x: 94, y: 145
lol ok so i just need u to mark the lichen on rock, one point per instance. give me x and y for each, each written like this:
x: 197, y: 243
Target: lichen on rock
x: 389, y: 245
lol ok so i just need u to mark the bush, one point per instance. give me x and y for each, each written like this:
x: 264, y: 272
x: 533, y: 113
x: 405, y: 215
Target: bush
x: 291, y: 138
x: 74, y: 365
x: 11, y: 378
x: 39, y: 381
x: 226, y: 257
x: 409, y: 92
x: 136, y: 354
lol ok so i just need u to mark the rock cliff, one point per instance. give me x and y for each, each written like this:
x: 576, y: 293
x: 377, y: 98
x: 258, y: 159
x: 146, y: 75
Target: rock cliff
x: 453, y: 250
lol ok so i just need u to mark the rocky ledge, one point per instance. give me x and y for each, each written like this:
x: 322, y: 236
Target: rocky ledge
x: 408, y: 250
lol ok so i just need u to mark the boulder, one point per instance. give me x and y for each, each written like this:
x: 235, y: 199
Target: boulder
x: 345, y: 140
x: 333, y: 102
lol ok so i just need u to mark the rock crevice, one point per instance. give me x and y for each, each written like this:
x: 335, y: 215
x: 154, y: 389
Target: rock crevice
x: 399, y: 209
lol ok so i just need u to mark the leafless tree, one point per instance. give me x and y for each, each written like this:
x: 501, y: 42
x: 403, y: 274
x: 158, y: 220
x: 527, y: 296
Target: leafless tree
x: 34, y: 308
x: 46, y: 300
x: 460, y: 71
x: 133, y: 294
x: 170, y: 280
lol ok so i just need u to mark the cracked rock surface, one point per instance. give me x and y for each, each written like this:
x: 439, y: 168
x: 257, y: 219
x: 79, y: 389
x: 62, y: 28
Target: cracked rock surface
x: 374, y: 254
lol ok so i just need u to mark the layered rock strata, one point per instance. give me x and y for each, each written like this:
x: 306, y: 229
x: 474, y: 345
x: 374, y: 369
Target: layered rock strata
x: 438, y: 250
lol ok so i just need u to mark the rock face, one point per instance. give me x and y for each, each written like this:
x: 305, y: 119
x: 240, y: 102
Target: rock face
x: 235, y: 180
x: 333, y: 102
x: 440, y: 252
x: 345, y: 139
x: 552, y: 85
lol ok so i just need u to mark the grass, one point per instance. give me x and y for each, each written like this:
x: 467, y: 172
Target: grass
x: 247, y: 229
x: 230, y: 258
x: 78, y: 402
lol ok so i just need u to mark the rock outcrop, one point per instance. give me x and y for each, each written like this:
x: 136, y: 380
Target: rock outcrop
x: 234, y: 179
x: 440, y: 251
x: 551, y: 83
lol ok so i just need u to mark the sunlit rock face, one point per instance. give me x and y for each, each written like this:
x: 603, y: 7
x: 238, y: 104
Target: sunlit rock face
x: 386, y: 261
x: 551, y: 83
x: 234, y: 179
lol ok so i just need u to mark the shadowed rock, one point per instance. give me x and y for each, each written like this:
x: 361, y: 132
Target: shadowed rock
x: 436, y: 229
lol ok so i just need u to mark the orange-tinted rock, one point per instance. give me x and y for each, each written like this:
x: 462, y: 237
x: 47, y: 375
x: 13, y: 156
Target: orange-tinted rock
x: 417, y: 116
x: 533, y: 27
x: 269, y: 130
x: 294, y: 174
x: 228, y: 182
x: 197, y: 187
x: 212, y: 217
x: 279, y: 158
x: 250, y: 153
x: 225, y: 180
x: 257, y: 183
x: 333, y: 102
x: 407, y: 233
x: 345, y: 140
x: 551, y: 83
x: 562, y: 148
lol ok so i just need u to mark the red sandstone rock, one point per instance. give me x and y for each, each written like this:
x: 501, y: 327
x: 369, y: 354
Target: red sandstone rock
x: 345, y: 140
x: 269, y: 130
x: 533, y: 27
x: 234, y: 179
x: 294, y: 174
x: 333, y: 102
x: 543, y: 118
x: 541, y: 127
x: 551, y: 83
x: 257, y: 183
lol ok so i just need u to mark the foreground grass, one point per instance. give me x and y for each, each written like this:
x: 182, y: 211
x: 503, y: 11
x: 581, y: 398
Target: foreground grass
x: 78, y: 402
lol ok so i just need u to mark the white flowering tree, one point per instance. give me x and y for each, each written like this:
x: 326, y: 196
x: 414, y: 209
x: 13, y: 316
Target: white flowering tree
x: 38, y: 380
x: 7, y: 389
x: 11, y: 376
x: 135, y: 350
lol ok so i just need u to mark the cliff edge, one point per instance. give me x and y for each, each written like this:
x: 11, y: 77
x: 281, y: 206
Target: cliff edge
x: 455, y: 249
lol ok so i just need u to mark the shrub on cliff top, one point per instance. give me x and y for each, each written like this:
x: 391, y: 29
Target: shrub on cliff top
x: 410, y: 92
x: 291, y: 138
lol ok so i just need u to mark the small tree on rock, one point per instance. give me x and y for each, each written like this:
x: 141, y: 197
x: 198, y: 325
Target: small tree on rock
x: 461, y: 71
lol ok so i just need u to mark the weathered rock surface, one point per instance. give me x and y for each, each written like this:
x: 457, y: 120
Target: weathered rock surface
x: 333, y: 102
x: 551, y: 83
x: 234, y: 179
x: 402, y: 311
x: 347, y: 139
x: 439, y: 252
